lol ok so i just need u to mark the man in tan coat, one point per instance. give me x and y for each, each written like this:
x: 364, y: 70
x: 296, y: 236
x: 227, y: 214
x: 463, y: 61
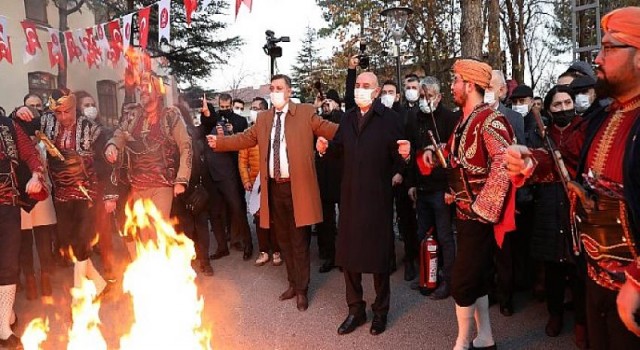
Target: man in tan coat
x: 285, y: 137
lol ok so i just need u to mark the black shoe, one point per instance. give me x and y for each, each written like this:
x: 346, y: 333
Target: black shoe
x: 490, y: 347
x: 248, y: 251
x: 302, y: 302
x: 327, y: 266
x: 206, y: 268
x: 554, y: 326
x: 237, y: 246
x: 409, y: 271
x: 351, y: 323
x: 288, y: 294
x: 218, y: 255
x: 378, y: 325
x: 506, y: 309
x: 442, y: 292
x: 11, y: 343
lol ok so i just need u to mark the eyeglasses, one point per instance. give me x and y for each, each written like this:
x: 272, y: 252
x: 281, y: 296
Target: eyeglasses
x: 606, y: 49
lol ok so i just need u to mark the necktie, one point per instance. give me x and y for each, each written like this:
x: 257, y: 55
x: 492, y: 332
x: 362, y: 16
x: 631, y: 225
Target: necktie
x: 276, y: 147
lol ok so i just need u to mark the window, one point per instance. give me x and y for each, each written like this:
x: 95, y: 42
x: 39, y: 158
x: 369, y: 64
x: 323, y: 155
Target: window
x: 36, y: 10
x: 108, y: 101
x: 41, y: 84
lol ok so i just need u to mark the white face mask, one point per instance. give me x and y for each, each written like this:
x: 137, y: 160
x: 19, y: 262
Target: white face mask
x: 388, y: 100
x: 277, y: 99
x: 582, y: 102
x: 522, y: 109
x: 426, y: 106
x: 363, y: 97
x: 91, y: 112
x: 412, y: 95
x: 253, y: 116
x: 489, y: 97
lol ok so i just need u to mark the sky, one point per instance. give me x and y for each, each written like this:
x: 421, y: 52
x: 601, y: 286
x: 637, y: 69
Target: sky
x: 285, y: 18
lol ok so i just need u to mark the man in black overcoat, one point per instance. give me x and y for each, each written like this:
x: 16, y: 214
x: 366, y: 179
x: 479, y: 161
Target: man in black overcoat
x: 368, y: 140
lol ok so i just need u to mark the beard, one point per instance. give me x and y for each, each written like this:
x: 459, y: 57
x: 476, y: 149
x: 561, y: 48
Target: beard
x: 604, y: 87
x: 459, y: 99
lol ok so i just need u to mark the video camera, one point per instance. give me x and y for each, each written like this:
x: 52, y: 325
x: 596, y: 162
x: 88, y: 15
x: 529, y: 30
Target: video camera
x: 362, y: 57
x: 270, y: 48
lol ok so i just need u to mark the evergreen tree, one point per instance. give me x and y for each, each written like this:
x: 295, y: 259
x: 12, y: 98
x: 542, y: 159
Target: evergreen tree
x: 306, y: 70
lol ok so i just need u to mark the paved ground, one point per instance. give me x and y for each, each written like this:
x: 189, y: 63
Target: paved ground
x: 242, y: 308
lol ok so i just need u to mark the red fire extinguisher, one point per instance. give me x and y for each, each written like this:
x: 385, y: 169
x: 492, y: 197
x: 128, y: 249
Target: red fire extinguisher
x: 429, y: 262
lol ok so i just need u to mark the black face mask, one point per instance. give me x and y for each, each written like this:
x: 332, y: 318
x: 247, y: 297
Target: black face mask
x: 563, y: 118
x: 226, y: 113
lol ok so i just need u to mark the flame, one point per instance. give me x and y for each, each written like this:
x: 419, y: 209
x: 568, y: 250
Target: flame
x: 84, y: 333
x: 161, y: 281
x: 35, y: 334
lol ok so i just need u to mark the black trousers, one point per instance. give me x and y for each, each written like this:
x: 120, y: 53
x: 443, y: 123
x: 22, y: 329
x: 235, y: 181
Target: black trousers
x: 293, y: 241
x: 407, y: 222
x: 76, y: 227
x: 42, y: 235
x: 382, y: 285
x: 327, y: 230
x: 472, y: 264
x: 606, y: 330
x: 226, y: 192
x: 9, y: 244
x: 195, y: 226
x: 557, y: 276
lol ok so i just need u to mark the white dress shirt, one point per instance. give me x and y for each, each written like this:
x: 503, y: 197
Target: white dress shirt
x: 284, y: 160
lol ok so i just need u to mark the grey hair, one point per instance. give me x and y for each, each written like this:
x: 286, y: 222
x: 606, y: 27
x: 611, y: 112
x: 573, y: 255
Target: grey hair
x: 431, y: 82
x: 500, y: 76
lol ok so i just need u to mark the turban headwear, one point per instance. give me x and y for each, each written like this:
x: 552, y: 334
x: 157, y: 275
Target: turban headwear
x: 624, y: 25
x: 473, y: 71
x: 62, y: 101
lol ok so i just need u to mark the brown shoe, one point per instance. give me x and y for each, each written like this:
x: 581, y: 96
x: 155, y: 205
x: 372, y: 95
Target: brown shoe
x: 580, y: 336
x: 302, y: 302
x: 288, y: 294
x: 30, y: 287
x: 45, y: 284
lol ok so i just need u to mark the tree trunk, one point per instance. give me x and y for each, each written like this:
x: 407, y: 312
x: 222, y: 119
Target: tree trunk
x: 471, y: 33
x: 493, y: 23
x: 62, y: 71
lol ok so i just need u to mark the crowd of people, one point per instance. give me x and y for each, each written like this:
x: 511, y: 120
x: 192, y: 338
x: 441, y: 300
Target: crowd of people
x: 520, y: 192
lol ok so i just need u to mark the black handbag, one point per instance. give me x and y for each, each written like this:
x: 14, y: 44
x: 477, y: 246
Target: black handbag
x: 197, y: 200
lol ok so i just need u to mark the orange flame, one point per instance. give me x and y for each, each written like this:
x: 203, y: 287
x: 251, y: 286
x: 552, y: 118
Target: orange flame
x: 161, y: 281
x: 85, y: 332
x: 35, y: 334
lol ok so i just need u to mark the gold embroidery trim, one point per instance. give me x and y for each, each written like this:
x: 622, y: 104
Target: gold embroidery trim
x: 625, y: 229
x: 606, y: 142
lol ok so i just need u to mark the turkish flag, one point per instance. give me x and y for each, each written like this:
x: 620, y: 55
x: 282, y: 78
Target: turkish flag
x: 5, y: 50
x: 164, y: 22
x: 143, y: 26
x: 33, y: 43
x: 190, y: 6
x: 73, y: 51
x: 54, y: 48
x: 248, y: 3
x: 94, y: 54
x: 115, y: 42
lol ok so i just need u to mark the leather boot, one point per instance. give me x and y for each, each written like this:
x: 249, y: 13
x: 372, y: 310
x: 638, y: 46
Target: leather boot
x: 45, y: 284
x: 31, y: 289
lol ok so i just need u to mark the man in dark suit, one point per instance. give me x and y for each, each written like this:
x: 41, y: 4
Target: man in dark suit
x: 494, y: 95
x: 226, y: 184
x: 285, y: 136
x: 367, y: 139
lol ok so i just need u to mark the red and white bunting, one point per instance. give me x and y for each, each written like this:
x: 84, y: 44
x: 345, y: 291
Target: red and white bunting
x: 5, y: 50
x: 33, y: 43
x: 205, y: 3
x: 190, y: 7
x: 54, y: 48
x: 143, y: 26
x: 164, y: 22
x: 126, y: 31
x: 81, y: 41
x: 94, y: 54
x: 116, y: 41
x: 3, y: 27
x: 5, y: 43
x: 248, y: 3
x: 73, y: 51
x: 102, y: 41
